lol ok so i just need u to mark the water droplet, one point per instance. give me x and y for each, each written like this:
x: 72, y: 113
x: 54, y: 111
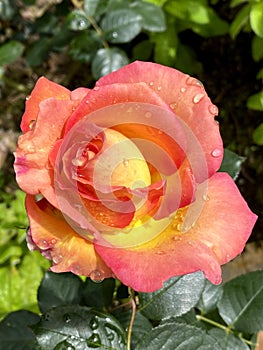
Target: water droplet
x: 177, y: 238
x: 97, y: 276
x: 110, y: 336
x: 79, y: 161
x: 28, y: 97
x: 53, y: 241
x: 190, y: 242
x: 160, y: 252
x: 66, y: 318
x: 173, y: 105
x: 32, y: 124
x: 216, y: 152
x: 193, y: 81
x: 151, y: 83
x: 94, y: 324
x: 44, y: 244
x: 57, y: 259
x: 148, y: 115
x: 159, y: 88
x: 125, y: 162
x: 160, y: 132
x: 205, y: 197
x: 46, y: 317
x: 96, y: 88
x: 94, y: 341
x: 227, y: 256
x: 183, y: 89
x: 198, y: 97
x: 115, y: 35
x: 213, y: 109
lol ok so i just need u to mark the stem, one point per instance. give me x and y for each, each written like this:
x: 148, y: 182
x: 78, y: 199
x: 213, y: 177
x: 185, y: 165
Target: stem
x: 226, y: 329
x: 133, y: 304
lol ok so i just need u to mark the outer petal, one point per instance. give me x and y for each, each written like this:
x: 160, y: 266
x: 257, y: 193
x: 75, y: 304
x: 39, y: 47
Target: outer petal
x: 43, y: 90
x: 218, y: 235
x: 186, y: 96
x: 55, y: 239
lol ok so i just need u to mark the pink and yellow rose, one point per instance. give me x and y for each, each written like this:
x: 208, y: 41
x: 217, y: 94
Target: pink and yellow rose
x: 122, y: 181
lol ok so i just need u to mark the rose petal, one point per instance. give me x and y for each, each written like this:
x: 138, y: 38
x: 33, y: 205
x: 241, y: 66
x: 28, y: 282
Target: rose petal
x: 55, y: 239
x: 218, y: 235
x: 43, y: 90
x: 188, y: 99
x: 33, y: 171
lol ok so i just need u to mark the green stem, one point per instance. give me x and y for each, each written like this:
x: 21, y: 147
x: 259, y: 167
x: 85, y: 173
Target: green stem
x: 219, y: 325
x: 99, y: 31
x: 133, y: 304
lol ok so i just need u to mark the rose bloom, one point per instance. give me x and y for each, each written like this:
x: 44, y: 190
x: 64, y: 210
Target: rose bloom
x: 121, y: 180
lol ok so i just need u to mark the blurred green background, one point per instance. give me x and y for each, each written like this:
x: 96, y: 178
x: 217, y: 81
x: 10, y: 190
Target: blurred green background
x: 76, y: 42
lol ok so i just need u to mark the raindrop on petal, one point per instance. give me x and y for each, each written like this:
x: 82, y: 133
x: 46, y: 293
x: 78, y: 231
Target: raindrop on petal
x: 213, y: 109
x: 28, y: 97
x: 32, y: 124
x: 125, y: 162
x: 97, y: 276
x: 198, y: 97
x: 183, y: 89
x: 151, y: 83
x: 57, y: 259
x: 148, y: 115
x: 216, y: 153
x: 173, y: 105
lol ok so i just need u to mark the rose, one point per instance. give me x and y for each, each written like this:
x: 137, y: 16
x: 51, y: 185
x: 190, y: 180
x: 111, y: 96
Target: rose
x: 121, y: 179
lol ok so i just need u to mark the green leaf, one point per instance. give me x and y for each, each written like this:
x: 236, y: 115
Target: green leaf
x: 140, y: 328
x: 175, y: 298
x: 121, y: 26
x: 77, y: 20
x: 59, y: 289
x: 179, y: 336
x: 256, y: 18
x: 7, y: 10
x: 188, y: 10
x: 76, y: 327
x: 239, y: 21
x: 257, y: 48
x: 210, y: 297
x: 215, y: 26
x: 153, y: 18
x: 100, y: 294
x: 84, y: 47
x: 241, y: 305
x: 256, y: 101
x: 231, y: 163
x: 107, y: 61
x: 91, y: 6
x: 10, y: 52
x: 15, y: 332
x: 235, y: 3
x: 38, y: 52
x: 166, y: 44
x: 258, y: 135
x: 18, y: 287
x: 227, y: 341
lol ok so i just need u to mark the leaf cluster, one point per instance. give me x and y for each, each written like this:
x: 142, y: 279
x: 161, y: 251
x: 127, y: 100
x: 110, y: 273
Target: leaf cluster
x: 188, y: 312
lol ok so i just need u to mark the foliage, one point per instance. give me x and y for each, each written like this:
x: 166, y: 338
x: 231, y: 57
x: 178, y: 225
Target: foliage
x: 217, y: 317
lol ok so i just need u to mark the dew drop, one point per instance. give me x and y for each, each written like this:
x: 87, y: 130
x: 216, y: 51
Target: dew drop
x: 190, y: 242
x: 44, y: 244
x: 94, y: 341
x: 97, y: 276
x: 32, y: 124
x: 96, y: 88
x: 183, y: 89
x: 148, y: 115
x: 94, y: 324
x: 193, y: 81
x: 198, y: 97
x: 151, y: 83
x: 79, y: 161
x: 66, y: 318
x: 213, y: 109
x: 110, y: 336
x: 160, y: 252
x: 125, y: 162
x: 57, y: 259
x: 173, y: 105
x: 28, y: 97
x: 53, y: 241
x: 159, y: 88
x: 216, y: 153
x: 205, y: 197
x: 115, y: 35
